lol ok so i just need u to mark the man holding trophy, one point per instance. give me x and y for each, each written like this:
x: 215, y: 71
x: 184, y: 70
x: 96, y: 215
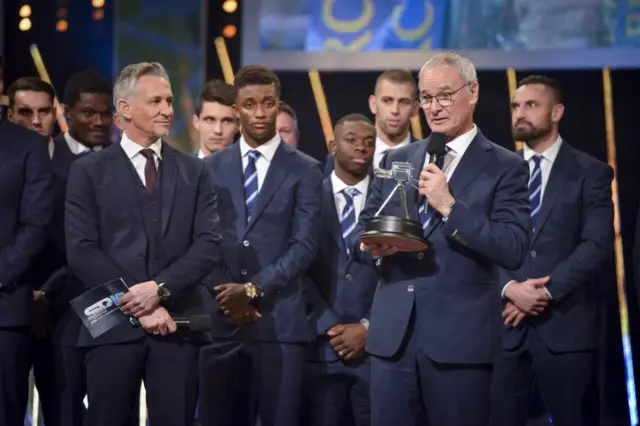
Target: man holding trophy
x: 459, y: 211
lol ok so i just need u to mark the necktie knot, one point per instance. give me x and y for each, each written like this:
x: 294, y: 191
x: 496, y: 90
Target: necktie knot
x: 146, y: 153
x: 253, y: 155
x: 351, y: 192
x: 537, y: 159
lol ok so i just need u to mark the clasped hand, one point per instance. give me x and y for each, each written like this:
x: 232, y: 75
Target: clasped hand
x: 141, y: 299
x: 158, y: 322
x: 348, y: 340
x: 235, y: 303
x: 528, y: 297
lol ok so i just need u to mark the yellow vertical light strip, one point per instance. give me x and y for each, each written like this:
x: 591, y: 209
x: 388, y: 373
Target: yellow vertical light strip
x: 225, y: 61
x: 416, y: 127
x: 35, y: 406
x: 512, y: 82
x: 142, y: 412
x: 44, y: 75
x: 619, y: 259
x: 321, y: 104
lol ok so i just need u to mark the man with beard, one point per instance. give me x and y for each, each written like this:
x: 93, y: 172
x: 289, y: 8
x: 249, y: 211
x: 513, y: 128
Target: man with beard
x: 270, y: 205
x: 214, y: 117
x: 393, y: 103
x: 550, y: 313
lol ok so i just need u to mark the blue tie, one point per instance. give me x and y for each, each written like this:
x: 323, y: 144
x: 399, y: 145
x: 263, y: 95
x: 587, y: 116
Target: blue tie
x: 425, y: 212
x: 535, y: 189
x: 251, y: 181
x: 348, y: 216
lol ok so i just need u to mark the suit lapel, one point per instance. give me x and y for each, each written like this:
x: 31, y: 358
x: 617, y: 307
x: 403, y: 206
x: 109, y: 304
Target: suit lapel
x: 275, y: 175
x: 168, y: 174
x: 234, y: 176
x: 472, y: 162
x: 126, y: 192
x: 332, y: 224
x: 413, y: 196
x: 557, y: 178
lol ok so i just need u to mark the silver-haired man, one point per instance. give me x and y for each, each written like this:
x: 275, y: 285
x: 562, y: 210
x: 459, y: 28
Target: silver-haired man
x: 144, y: 212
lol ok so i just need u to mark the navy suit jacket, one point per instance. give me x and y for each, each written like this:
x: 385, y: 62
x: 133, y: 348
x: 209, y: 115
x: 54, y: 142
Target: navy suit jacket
x: 276, y: 247
x: 340, y: 290
x: 572, y: 240
x: 453, y: 285
x: 106, y: 237
x: 26, y: 212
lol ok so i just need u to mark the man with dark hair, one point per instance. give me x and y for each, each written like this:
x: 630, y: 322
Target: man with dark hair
x: 393, y: 102
x: 287, y: 125
x: 550, y: 331
x: 26, y: 211
x: 214, y: 117
x: 87, y: 106
x: 270, y: 212
x: 341, y: 290
x: 31, y: 106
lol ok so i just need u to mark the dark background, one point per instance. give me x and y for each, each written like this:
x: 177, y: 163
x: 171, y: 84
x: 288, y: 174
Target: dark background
x: 89, y: 44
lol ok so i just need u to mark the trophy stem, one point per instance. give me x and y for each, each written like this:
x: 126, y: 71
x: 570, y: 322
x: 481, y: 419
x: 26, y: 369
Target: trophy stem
x: 389, y: 198
x: 403, y: 199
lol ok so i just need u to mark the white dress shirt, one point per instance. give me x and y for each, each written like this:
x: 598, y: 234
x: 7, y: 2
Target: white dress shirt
x: 267, y: 150
x: 132, y: 150
x: 76, y: 147
x: 457, y: 148
x: 51, y: 147
x: 382, y: 147
x: 201, y: 154
x: 358, y: 201
x: 546, y: 164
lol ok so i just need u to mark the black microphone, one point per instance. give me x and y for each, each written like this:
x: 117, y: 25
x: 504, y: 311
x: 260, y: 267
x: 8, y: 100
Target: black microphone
x: 437, y: 146
x: 199, y: 322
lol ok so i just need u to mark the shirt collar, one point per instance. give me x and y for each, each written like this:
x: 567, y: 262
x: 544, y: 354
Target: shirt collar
x: 266, y: 150
x: 549, y: 154
x: 460, y: 144
x: 338, y: 185
x: 132, y: 149
x: 51, y: 147
x: 201, y: 154
x: 382, y: 146
x: 76, y: 147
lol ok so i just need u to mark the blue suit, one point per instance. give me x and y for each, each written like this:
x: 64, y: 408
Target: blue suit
x: 340, y: 292
x: 26, y: 212
x: 272, y: 250
x: 572, y: 240
x: 435, y: 320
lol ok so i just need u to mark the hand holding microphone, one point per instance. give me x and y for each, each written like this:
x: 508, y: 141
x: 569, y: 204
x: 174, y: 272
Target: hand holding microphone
x: 433, y: 182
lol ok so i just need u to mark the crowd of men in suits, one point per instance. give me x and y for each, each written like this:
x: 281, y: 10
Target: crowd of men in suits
x: 309, y: 326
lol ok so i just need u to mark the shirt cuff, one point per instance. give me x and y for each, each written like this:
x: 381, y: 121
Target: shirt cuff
x: 548, y: 293
x: 504, y: 289
x: 365, y: 322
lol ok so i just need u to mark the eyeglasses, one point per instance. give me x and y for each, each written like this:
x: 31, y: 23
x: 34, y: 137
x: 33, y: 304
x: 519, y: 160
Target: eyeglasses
x: 444, y: 99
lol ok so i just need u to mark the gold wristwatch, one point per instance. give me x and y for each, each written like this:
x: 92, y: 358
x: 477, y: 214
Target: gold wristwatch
x: 252, y: 291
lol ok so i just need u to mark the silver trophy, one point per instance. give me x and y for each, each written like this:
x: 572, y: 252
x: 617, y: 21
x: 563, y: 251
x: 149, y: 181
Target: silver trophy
x: 402, y: 232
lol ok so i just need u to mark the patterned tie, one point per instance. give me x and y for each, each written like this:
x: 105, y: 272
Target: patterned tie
x: 251, y: 181
x: 425, y: 212
x: 150, y: 171
x: 535, y: 189
x: 348, y: 216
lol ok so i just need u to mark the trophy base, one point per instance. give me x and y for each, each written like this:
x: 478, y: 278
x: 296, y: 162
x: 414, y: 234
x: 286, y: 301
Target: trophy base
x: 405, y: 234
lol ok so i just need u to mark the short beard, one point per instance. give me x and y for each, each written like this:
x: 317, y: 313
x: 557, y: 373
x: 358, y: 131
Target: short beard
x: 532, y: 134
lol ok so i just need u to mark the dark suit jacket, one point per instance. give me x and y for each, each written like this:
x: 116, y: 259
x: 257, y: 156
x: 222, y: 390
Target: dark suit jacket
x: 453, y: 285
x: 572, y: 240
x: 106, y: 237
x: 26, y: 212
x: 340, y: 290
x: 276, y: 247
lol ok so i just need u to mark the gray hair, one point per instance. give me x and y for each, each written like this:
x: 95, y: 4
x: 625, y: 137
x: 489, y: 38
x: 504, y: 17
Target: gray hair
x: 464, y: 66
x: 125, y: 85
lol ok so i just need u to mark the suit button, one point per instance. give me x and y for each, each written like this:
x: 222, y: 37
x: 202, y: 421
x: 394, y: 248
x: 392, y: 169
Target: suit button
x: 347, y: 277
x: 243, y: 272
x: 141, y: 256
x: 410, y: 288
x: 420, y: 256
x: 246, y: 243
x: 533, y: 253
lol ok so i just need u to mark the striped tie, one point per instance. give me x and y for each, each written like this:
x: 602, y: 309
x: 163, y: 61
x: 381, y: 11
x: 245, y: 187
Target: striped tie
x: 251, y: 181
x: 348, y: 216
x: 535, y: 189
x: 425, y: 212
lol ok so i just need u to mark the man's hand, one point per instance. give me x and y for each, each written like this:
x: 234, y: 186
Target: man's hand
x: 232, y: 298
x: 433, y: 185
x: 158, y: 322
x: 511, y: 315
x: 348, y: 340
x: 140, y: 300
x: 529, y: 296
x: 246, y: 316
x: 378, y: 250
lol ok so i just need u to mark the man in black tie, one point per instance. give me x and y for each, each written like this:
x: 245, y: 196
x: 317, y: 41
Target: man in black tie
x: 144, y: 212
x: 26, y: 212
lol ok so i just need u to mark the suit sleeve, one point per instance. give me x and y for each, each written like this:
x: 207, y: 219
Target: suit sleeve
x: 305, y: 236
x: 36, y: 215
x: 82, y: 232
x: 319, y: 313
x: 596, y: 242
x: 503, y: 235
x: 204, y: 254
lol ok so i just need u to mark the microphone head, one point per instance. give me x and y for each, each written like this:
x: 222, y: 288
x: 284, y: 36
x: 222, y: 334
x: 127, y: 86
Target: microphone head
x: 437, y: 143
x: 200, y: 322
